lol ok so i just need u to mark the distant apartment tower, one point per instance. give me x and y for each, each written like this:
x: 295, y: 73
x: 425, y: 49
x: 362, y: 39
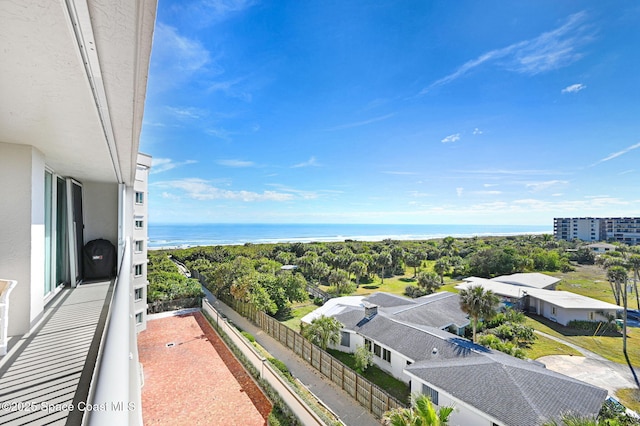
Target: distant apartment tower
x: 621, y: 229
x: 580, y: 228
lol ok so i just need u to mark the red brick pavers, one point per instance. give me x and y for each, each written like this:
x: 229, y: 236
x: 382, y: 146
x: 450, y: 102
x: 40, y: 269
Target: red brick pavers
x: 197, y: 380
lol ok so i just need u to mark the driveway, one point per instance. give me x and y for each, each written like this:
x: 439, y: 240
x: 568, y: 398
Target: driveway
x: 590, y: 368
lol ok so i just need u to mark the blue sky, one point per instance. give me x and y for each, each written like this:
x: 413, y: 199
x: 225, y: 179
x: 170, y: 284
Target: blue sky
x: 433, y: 112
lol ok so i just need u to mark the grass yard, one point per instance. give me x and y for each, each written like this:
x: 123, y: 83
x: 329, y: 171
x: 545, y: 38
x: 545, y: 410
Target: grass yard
x: 587, y: 280
x: 396, y: 388
x: 630, y: 398
x: 298, y: 310
x: 544, y: 346
x: 606, y: 346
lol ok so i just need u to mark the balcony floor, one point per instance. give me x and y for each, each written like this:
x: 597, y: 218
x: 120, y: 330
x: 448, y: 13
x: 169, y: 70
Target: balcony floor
x: 45, y: 377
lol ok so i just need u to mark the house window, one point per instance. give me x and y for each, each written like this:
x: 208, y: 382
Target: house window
x: 139, y: 246
x: 139, y: 223
x: 138, y: 293
x: 431, y: 393
x: 139, y: 318
x: 553, y: 310
x: 367, y: 344
x: 592, y: 316
x: 377, y: 350
x: 137, y: 270
x: 139, y: 197
x: 345, y: 339
x: 386, y: 355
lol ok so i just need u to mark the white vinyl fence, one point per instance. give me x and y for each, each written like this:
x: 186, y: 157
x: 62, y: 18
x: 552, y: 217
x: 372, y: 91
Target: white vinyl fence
x: 267, y: 372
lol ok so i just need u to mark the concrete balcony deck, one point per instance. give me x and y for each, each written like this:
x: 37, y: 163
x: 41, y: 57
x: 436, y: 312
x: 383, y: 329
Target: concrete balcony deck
x: 46, y: 375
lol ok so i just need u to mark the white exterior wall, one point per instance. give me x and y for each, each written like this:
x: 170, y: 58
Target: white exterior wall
x: 463, y: 414
x: 565, y: 315
x: 100, y: 205
x: 22, y: 230
x: 398, y: 361
x: 141, y: 210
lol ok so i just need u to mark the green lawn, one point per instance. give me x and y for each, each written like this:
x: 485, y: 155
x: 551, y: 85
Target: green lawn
x: 396, y: 388
x: 544, y: 346
x: 630, y: 398
x: 298, y: 310
x: 589, y: 280
x: 609, y: 347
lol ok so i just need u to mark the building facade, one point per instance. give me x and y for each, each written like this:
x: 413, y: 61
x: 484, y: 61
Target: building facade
x: 619, y: 229
x: 73, y: 82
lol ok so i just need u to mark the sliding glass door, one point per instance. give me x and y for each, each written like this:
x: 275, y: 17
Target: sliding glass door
x: 63, y: 226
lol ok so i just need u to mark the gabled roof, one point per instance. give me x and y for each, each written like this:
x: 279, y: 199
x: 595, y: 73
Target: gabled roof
x: 532, y: 279
x: 388, y: 300
x: 415, y: 342
x: 522, y: 393
x: 436, y: 310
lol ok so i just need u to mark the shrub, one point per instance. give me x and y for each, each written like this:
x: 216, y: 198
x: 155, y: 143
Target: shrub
x: 318, y: 301
x: 282, y: 367
x: 414, y: 291
x: 249, y: 336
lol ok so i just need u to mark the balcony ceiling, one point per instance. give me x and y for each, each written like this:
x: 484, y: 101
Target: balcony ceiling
x: 73, y: 80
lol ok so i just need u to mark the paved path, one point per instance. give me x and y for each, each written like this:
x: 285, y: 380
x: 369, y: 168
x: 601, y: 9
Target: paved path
x: 341, y: 403
x: 590, y: 368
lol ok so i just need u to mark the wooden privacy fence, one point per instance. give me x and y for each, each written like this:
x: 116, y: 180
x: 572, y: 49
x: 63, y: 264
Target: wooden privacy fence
x: 369, y: 395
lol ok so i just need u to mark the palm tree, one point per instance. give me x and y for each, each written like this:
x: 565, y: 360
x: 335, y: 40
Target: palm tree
x: 634, y: 263
x: 323, y: 331
x: 617, y: 277
x: 441, y: 267
x: 429, y: 281
x: 383, y: 260
x: 478, y: 303
x: 421, y: 413
x: 359, y: 269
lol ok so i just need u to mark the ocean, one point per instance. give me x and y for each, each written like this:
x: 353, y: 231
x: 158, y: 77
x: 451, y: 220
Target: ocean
x: 190, y: 235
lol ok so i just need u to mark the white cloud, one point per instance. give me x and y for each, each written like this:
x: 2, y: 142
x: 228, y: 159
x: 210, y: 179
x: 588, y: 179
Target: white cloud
x: 574, y: 88
x: 221, y: 9
x: 309, y: 163
x: 219, y: 133
x: 188, y: 113
x: 451, y: 138
x: 477, y: 131
x: 235, y: 163
x: 459, y: 191
x: 231, y: 89
x: 541, y: 186
x: 617, y: 154
x: 488, y: 192
x: 400, y: 173
x: 362, y: 123
x: 489, y: 185
x: 159, y: 165
x: 548, y: 51
x: 202, y: 190
x: 304, y: 194
x: 176, y: 58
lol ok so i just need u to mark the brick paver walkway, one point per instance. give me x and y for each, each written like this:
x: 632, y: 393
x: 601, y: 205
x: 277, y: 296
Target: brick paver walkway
x: 191, y: 378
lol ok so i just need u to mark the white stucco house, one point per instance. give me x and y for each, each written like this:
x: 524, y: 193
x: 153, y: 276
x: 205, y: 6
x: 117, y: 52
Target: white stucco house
x: 558, y: 306
x: 73, y: 79
x: 485, y: 387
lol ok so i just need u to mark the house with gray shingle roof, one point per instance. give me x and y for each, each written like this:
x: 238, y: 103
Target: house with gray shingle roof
x: 558, y: 306
x: 485, y: 387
